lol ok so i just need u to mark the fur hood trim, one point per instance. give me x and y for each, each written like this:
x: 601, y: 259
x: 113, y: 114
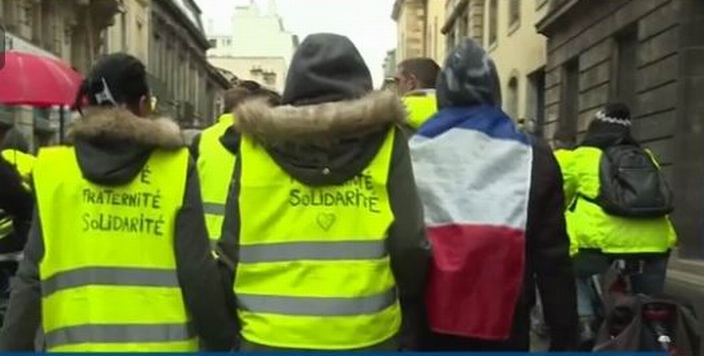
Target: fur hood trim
x: 320, y: 122
x: 121, y: 124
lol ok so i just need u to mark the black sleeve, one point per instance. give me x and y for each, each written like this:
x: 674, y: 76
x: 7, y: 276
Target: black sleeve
x: 548, y: 251
x: 203, y: 291
x: 409, y: 249
x: 23, y: 318
x: 17, y: 202
x: 194, y: 147
x: 228, y: 245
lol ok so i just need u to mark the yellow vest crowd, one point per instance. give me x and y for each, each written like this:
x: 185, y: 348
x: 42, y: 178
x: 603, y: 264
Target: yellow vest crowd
x: 292, y: 223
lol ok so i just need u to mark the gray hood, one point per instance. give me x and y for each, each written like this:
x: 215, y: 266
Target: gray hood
x: 113, y: 144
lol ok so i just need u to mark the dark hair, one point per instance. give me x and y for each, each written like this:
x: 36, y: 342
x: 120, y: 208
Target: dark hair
x: 424, y: 69
x: 116, y: 79
x: 234, y: 97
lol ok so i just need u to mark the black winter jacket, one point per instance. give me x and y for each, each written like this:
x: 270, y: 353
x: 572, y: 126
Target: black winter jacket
x: 469, y: 78
x: 17, y: 203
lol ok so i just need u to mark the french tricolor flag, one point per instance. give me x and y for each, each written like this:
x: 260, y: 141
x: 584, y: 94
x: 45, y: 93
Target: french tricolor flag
x: 473, y: 171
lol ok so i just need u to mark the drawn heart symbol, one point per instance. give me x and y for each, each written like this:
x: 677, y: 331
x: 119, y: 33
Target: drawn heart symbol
x: 326, y: 221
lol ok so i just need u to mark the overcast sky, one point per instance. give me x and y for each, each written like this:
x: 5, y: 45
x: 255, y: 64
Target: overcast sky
x: 367, y: 23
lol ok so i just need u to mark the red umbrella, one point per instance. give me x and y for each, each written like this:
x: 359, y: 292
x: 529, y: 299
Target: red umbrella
x: 28, y: 79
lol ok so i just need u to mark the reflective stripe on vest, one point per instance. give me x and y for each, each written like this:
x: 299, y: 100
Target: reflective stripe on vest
x: 108, y: 275
x: 7, y: 226
x: 314, y: 270
x: 215, y: 169
x: 313, y: 251
x: 421, y: 107
x: 118, y: 334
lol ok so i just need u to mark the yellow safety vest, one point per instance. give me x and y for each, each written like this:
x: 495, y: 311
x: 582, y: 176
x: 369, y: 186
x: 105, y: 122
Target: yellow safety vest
x: 421, y: 106
x: 592, y: 228
x: 108, y: 275
x: 215, y: 169
x: 314, y: 271
x: 23, y: 163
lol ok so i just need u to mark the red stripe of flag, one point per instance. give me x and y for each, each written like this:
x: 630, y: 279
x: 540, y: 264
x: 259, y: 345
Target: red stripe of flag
x: 476, y: 279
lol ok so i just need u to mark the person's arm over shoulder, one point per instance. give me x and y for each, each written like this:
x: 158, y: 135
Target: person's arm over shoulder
x: 548, y: 250
x: 203, y: 292
x: 194, y: 148
x: 24, y: 313
x: 569, y: 178
x: 409, y: 249
x: 16, y: 201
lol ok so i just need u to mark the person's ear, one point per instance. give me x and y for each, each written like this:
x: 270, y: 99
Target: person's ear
x: 413, y: 83
x: 145, y: 106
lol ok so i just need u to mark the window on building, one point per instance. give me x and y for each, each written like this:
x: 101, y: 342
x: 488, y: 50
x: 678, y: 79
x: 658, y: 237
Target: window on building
x: 50, y: 28
x: 535, y: 110
x: 449, y: 42
x: 429, y: 41
x: 123, y: 31
x: 463, y: 25
x: 25, y: 20
x: 402, y: 46
x: 514, y: 13
x: 270, y: 79
x: 213, y: 43
x: 435, y: 37
x: 512, y: 98
x: 138, y: 39
x: 182, y: 76
x: 37, y: 24
x: 170, y: 75
x: 626, y: 67
x: 569, y: 102
x: 156, y: 52
x: 8, y: 14
x: 493, y: 21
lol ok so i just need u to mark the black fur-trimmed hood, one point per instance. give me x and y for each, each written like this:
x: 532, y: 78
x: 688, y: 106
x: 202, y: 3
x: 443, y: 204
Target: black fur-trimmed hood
x: 113, y: 144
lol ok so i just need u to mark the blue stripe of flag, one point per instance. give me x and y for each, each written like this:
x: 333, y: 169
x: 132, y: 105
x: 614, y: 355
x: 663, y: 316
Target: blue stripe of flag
x: 486, y: 119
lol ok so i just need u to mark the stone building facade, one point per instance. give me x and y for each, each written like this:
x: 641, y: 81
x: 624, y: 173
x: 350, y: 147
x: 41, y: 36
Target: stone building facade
x: 410, y: 16
x: 186, y: 86
x: 506, y: 29
x: 650, y: 55
x: 435, y: 18
x: 264, y: 58
x: 69, y: 30
x: 130, y: 31
x: 463, y: 18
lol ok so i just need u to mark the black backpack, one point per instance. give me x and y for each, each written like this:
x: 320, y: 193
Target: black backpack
x: 632, y: 185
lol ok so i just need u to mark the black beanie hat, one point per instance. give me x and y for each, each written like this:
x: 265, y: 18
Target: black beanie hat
x: 326, y: 67
x: 615, y: 113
